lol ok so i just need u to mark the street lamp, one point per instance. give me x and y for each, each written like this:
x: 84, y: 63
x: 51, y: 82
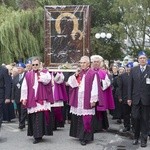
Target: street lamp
x: 103, y: 35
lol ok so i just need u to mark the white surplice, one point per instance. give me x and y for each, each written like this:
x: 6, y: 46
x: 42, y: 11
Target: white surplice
x: 94, y: 96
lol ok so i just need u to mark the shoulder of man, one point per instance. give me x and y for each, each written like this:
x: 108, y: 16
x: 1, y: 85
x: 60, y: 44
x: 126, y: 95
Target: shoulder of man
x: 135, y: 68
x: 3, y: 69
x: 148, y: 66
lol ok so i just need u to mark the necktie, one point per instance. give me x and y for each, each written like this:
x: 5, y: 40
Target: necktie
x: 20, y: 77
x: 142, y: 69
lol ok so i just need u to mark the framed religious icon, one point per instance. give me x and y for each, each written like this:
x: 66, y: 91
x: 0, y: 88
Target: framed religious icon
x: 67, y: 34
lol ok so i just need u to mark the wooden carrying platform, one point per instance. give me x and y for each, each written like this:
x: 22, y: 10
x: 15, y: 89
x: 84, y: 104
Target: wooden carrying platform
x: 62, y: 70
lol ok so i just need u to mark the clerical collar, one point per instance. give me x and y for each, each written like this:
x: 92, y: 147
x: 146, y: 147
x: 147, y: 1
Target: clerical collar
x: 85, y: 70
x: 96, y: 69
x: 35, y: 71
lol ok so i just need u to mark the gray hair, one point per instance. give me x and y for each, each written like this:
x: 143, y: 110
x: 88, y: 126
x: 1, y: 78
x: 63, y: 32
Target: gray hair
x: 96, y: 57
x: 86, y: 58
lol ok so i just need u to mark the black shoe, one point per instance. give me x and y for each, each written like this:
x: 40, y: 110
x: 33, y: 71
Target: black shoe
x: 21, y: 127
x: 37, y: 140
x: 135, y: 142
x: 125, y: 130
x: 83, y: 143
x: 119, y: 121
x: 143, y: 144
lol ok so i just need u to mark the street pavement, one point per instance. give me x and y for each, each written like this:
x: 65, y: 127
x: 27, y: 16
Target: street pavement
x: 11, y: 138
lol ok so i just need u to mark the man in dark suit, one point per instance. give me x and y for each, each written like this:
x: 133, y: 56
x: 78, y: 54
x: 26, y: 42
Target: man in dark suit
x: 139, y: 97
x: 5, y: 89
x: 16, y: 93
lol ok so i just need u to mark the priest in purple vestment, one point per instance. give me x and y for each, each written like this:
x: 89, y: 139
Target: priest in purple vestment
x: 37, y: 96
x: 83, y: 97
x: 60, y: 96
x: 106, y: 101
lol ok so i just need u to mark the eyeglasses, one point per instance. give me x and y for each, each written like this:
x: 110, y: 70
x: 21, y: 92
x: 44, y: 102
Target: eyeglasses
x: 35, y: 64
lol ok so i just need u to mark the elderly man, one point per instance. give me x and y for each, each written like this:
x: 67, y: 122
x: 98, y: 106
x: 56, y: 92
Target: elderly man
x: 83, y: 97
x: 139, y: 97
x: 105, y: 94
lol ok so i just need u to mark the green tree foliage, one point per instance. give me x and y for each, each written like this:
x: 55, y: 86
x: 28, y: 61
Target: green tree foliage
x: 21, y: 33
x: 103, y: 19
x: 134, y: 24
x: 11, y: 3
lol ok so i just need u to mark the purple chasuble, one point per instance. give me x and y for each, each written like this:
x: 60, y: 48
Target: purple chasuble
x: 108, y: 101
x: 73, y: 92
x: 44, y: 92
x: 60, y: 93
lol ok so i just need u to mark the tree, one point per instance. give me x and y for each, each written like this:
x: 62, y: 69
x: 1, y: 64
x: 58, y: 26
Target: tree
x: 20, y: 33
x: 103, y: 20
x: 135, y: 23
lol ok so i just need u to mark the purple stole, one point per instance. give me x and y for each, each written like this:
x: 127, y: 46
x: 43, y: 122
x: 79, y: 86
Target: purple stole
x: 73, y: 93
x: 58, y: 113
x: 44, y: 92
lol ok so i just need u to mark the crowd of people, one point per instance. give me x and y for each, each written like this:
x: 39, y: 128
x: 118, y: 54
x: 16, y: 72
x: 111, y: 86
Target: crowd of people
x: 43, y: 100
